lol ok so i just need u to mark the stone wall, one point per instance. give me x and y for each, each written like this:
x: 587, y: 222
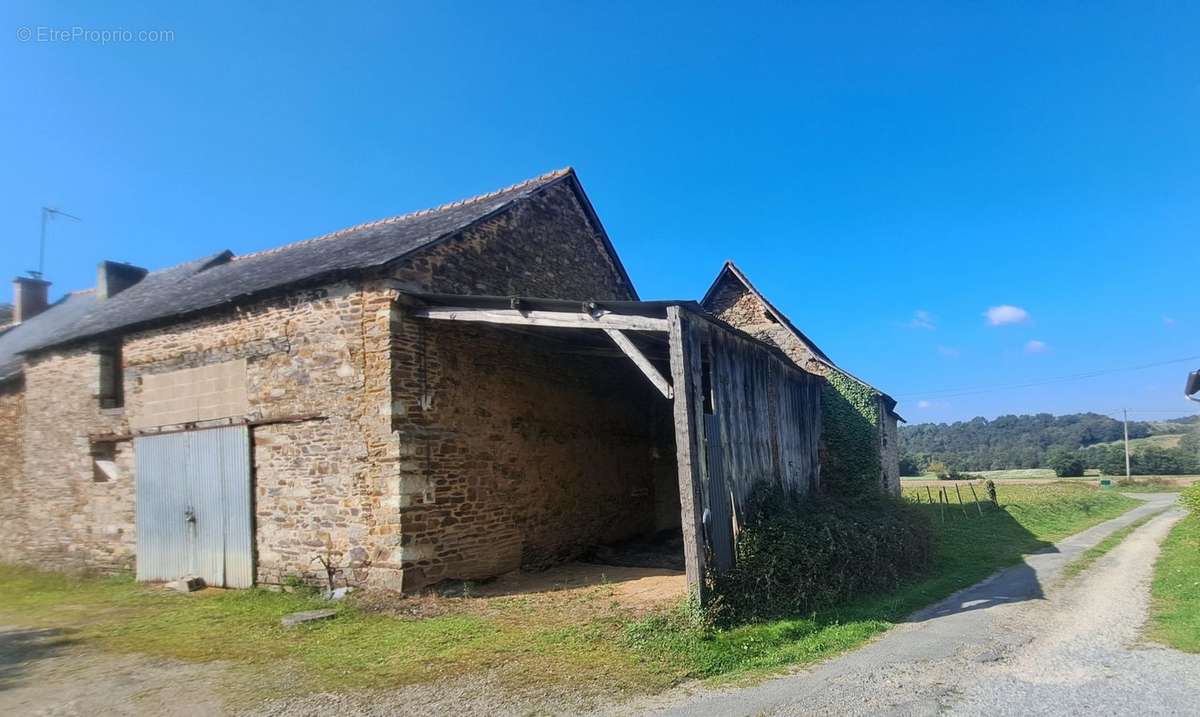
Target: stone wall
x: 890, y: 455
x: 739, y: 307
x: 80, y: 521
x: 320, y: 354
x: 517, y: 454
x: 12, y: 455
x: 544, y: 247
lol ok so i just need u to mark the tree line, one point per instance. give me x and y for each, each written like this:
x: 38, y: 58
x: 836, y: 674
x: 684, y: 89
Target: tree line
x: 1066, y: 443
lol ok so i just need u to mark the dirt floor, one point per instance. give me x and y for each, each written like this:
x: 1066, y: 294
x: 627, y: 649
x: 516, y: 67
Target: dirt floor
x: 634, y: 588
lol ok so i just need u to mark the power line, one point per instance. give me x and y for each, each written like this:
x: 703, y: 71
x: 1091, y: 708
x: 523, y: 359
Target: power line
x: 970, y: 391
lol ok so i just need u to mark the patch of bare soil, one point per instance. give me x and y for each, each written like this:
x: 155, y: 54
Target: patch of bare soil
x: 576, y: 586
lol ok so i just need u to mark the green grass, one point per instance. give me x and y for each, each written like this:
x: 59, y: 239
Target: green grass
x: 575, y: 640
x: 1152, y: 484
x: 1158, y: 440
x: 1099, y: 550
x: 1015, y: 473
x: 1175, y: 609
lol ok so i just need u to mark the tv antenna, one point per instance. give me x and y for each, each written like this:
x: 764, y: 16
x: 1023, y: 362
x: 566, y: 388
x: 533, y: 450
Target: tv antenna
x: 48, y: 213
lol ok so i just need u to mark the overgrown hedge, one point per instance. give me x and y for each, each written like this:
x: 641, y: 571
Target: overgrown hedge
x: 797, y: 556
x: 849, y: 437
x: 1190, y: 498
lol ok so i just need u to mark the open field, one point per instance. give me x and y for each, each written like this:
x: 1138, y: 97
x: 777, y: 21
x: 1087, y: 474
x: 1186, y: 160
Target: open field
x: 585, y: 640
x: 1159, y: 440
x: 1136, y: 484
x: 1175, y: 610
x: 1014, y: 474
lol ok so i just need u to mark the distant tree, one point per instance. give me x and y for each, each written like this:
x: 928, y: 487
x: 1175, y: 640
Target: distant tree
x: 1021, y: 441
x: 1066, y: 464
x: 910, y: 466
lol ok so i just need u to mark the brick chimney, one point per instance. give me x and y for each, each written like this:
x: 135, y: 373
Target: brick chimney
x: 113, y: 277
x: 30, y: 297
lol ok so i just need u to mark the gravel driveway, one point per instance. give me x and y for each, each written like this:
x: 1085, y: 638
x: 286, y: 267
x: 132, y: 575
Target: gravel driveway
x: 1024, y: 642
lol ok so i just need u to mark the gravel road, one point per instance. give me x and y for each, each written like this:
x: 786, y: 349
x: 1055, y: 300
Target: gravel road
x: 1024, y: 642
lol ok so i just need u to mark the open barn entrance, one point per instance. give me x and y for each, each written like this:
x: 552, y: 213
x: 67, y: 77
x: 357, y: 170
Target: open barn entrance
x: 587, y: 411
x: 567, y: 445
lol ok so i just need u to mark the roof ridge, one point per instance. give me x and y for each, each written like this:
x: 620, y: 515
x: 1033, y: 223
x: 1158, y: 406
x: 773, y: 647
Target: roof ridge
x: 541, y: 179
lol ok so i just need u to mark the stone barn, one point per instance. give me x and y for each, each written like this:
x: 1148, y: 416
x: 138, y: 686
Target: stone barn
x: 449, y: 394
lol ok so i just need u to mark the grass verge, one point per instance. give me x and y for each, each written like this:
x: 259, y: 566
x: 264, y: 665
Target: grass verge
x: 1153, y: 484
x: 1099, y: 550
x: 1175, y: 591
x: 581, y: 640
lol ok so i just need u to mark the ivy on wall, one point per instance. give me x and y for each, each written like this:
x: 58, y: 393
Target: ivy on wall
x: 849, y: 436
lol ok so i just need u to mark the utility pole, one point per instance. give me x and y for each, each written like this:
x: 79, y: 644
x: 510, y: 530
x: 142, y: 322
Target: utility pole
x: 1125, y: 413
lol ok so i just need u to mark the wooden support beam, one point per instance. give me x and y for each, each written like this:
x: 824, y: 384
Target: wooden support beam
x: 549, y: 319
x: 640, y: 360
x: 689, y: 445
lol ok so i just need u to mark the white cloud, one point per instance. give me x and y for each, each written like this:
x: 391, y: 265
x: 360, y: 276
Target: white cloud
x: 1006, y: 314
x: 949, y: 351
x: 1036, y: 347
x: 928, y: 405
x: 921, y: 319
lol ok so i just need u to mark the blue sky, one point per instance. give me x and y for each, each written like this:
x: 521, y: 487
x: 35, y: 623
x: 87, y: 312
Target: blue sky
x: 885, y: 174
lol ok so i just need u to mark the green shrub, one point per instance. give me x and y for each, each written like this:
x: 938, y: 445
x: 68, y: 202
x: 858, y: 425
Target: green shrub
x: 797, y: 556
x: 1066, y: 464
x: 1190, y: 498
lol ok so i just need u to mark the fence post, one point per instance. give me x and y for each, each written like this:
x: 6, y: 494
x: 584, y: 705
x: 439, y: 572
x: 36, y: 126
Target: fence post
x: 960, y: 501
x: 976, y: 497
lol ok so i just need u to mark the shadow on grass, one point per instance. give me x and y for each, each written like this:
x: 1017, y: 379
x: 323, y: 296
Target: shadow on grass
x: 969, y: 549
x: 20, y: 648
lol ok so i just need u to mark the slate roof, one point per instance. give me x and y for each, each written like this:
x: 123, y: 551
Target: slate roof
x: 41, y: 328
x: 733, y: 270
x: 223, y: 278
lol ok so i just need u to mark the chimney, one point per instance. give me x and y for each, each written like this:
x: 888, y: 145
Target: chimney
x: 29, y: 297
x: 113, y: 277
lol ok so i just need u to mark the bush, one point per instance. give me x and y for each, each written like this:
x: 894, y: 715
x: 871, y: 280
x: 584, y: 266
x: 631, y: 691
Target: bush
x: 910, y: 466
x: 1190, y: 498
x: 1066, y: 464
x: 955, y: 474
x: 797, y: 556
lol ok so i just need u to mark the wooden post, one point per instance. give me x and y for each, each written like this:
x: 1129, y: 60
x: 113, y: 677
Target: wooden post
x: 930, y: 494
x: 689, y: 444
x: 976, y: 497
x: 942, y: 502
x: 961, y: 504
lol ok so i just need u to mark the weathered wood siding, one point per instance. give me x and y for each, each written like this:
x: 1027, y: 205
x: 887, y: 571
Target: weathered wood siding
x: 764, y: 427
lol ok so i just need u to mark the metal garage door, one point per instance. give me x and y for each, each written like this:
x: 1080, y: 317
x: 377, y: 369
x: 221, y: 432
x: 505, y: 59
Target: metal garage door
x: 193, y: 506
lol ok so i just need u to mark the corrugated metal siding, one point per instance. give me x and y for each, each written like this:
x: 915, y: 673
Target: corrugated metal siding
x: 163, y: 542
x: 765, y: 428
x: 205, y: 474
x: 239, y: 522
